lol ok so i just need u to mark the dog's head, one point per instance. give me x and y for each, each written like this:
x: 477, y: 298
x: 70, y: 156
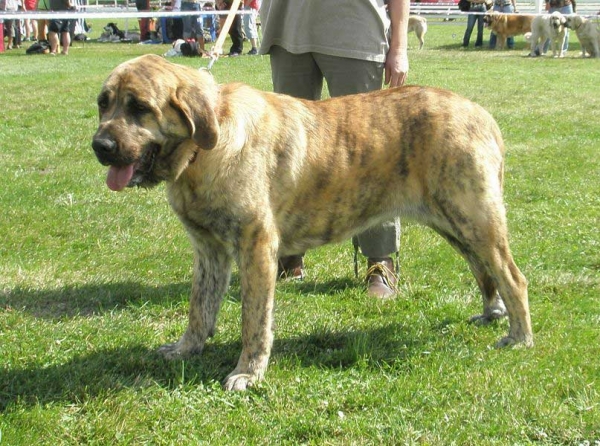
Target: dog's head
x: 573, y: 21
x: 557, y: 21
x: 489, y: 18
x: 154, y: 117
x: 111, y: 28
x: 177, y: 45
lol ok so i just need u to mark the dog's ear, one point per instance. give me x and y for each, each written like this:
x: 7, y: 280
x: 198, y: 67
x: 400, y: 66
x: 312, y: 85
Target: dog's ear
x: 199, y: 114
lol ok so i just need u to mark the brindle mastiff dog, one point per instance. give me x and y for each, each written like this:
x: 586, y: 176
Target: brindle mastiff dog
x: 255, y: 175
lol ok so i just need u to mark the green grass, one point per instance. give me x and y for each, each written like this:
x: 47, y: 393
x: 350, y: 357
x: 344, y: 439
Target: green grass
x: 92, y: 282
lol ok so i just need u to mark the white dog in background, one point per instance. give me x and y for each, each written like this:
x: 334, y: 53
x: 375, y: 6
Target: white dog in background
x: 587, y: 34
x: 551, y: 27
x: 418, y: 24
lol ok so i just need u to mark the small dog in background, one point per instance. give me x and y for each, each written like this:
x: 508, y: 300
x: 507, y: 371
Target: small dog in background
x: 587, y: 34
x: 418, y: 25
x: 113, y: 30
x: 112, y: 33
x: 551, y: 27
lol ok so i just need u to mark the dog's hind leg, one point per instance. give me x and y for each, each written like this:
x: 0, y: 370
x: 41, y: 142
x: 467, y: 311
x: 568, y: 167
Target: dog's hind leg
x: 476, y: 226
x: 502, y: 285
x: 493, y: 307
x: 212, y: 271
x: 512, y: 287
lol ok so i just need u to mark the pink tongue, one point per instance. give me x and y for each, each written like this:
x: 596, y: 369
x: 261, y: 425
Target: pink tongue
x: 119, y: 177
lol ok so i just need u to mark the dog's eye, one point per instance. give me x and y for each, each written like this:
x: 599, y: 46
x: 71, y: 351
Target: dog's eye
x: 102, y: 102
x: 137, y: 107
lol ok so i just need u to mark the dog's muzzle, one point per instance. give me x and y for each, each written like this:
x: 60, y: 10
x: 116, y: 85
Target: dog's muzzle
x: 105, y: 150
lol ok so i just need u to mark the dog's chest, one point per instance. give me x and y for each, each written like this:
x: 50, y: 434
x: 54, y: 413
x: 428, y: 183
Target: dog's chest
x: 203, y: 214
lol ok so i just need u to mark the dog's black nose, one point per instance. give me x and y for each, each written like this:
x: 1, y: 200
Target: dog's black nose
x: 104, y: 146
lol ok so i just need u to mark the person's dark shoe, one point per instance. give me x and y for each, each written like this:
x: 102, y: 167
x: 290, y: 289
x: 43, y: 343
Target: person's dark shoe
x: 381, y: 279
x: 253, y: 52
x: 291, y: 267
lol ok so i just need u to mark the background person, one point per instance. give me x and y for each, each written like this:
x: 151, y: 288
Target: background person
x: 42, y: 24
x: 144, y: 22
x: 193, y: 26
x: 12, y: 27
x: 250, y: 24
x: 298, y: 37
x: 235, y: 32
x: 478, y: 8
x: 60, y: 29
x: 30, y: 25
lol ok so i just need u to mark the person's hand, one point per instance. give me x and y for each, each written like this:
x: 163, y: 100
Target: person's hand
x: 396, y: 68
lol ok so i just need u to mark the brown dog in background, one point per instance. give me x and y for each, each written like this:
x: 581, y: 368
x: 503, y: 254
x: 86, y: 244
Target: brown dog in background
x: 506, y: 25
x: 255, y: 175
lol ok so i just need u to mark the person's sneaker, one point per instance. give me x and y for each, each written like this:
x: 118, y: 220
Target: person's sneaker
x: 253, y: 52
x: 233, y: 54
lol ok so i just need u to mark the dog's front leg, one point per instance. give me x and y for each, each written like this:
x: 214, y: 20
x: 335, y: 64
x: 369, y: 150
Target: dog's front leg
x: 258, y: 271
x: 212, y: 271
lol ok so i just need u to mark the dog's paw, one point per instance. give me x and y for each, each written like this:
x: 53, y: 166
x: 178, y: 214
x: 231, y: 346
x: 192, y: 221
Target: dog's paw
x: 510, y: 341
x: 178, y: 350
x: 239, y: 381
x: 488, y: 318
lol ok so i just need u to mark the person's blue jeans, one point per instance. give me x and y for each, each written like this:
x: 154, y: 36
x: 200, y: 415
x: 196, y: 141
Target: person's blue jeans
x: 510, y: 42
x: 471, y: 20
x: 192, y: 27
x: 565, y: 10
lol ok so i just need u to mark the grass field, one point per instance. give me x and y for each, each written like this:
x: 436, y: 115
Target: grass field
x: 93, y: 282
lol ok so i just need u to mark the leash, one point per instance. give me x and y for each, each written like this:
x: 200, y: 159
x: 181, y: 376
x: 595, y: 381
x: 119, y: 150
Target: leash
x: 218, y: 48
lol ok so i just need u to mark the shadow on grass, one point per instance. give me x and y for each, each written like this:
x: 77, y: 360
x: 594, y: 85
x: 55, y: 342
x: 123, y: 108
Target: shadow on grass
x: 89, y: 299
x: 97, y: 299
x: 136, y: 367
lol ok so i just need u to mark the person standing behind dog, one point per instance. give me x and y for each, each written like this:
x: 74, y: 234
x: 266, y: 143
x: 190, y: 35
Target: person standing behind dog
x: 507, y: 7
x: 144, y: 22
x: 478, y: 9
x: 235, y: 32
x: 297, y: 36
x: 60, y: 27
x: 193, y: 25
x: 251, y: 7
